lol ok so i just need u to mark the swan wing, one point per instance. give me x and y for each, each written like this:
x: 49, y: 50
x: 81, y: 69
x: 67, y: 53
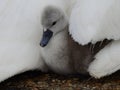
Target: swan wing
x: 95, y: 20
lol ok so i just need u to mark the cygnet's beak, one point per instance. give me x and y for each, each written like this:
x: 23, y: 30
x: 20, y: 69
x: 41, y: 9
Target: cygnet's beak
x: 46, y: 37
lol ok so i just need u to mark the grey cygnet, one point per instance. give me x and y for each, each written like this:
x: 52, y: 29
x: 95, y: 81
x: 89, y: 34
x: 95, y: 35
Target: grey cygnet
x: 60, y: 52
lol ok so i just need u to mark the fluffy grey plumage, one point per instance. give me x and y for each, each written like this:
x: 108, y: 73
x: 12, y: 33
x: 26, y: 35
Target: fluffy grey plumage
x: 61, y: 53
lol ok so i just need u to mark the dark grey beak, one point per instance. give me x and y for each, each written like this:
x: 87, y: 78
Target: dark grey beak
x: 46, y: 38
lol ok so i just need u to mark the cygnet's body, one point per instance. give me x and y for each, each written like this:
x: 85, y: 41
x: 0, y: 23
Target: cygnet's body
x: 64, y: 56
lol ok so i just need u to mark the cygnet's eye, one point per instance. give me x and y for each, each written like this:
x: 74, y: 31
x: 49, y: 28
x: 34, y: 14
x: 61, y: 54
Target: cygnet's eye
x: 54, y: 23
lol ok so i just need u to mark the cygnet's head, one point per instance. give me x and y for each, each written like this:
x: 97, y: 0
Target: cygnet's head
x: 53, y: 21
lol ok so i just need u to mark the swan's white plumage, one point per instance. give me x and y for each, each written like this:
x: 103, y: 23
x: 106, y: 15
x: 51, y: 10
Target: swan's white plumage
x: 93, y: 20
x: 20, y: 34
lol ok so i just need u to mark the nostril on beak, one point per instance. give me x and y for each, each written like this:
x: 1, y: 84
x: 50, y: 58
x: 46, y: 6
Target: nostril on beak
x: 42, y: 44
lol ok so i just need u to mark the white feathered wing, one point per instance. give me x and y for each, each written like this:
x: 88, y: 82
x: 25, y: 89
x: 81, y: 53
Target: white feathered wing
x: 95, y: 20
